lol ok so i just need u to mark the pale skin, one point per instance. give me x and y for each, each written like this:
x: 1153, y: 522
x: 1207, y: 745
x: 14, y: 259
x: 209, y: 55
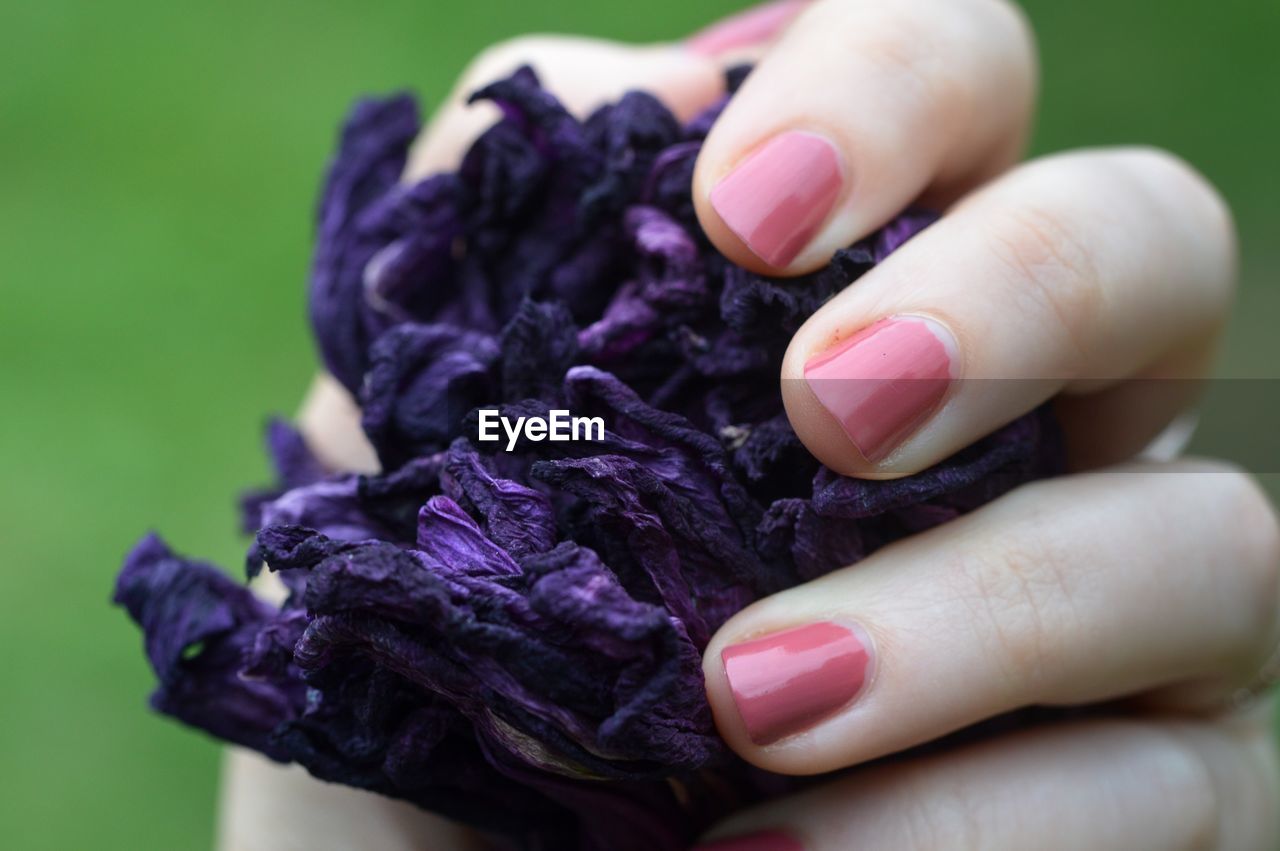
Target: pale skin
x: 1143, y: 586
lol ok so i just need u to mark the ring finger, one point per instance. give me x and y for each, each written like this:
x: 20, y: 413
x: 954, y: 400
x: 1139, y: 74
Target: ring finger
x: 1153, y: 578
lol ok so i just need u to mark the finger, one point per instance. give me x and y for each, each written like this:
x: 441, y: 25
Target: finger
x: 858, y: 108
x: 583, y: 74
x: 1065, y: 592
x: 329, y: 421
x: 1071, y: 274
x: 265, y: 807
x: 1101, y: 785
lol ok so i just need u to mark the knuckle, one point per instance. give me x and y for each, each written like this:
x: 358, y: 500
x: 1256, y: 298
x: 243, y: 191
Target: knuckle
x: 1225, y: 777
x: 1020, y: 596
x: 911, y: 55
x: 1011, y: 14
x: 941, y: 814
x: 1008, y: 16
x: 1165, y: 167
x: 1160, y: 164
x: 1256, y: 745
x: 1181, y: 773
x: 1171, y: 182
x: 1263, y: 757
x: 1052, y: 273
x: 1247, y: 510
x: 939, y: 61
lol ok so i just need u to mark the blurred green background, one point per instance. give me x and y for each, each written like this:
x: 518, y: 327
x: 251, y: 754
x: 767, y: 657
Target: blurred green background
x: 158, y: 166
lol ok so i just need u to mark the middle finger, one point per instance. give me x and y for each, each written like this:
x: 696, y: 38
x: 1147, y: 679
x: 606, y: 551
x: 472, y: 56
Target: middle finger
x: 1071, y: 274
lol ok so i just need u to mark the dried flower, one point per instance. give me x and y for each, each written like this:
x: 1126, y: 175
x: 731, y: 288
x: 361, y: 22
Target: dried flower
x: 514, y: 638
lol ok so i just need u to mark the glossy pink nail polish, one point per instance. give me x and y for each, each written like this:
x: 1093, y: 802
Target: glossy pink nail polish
x: 767, y: 840
x: 750, y: 26
x: 884, y: 381
x: 787, y: 682
x: 778, y: 197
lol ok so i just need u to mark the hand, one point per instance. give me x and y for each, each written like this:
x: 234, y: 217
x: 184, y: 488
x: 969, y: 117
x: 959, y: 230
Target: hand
x: 1090, y: 276
x: 1085, y: 277
x: 268, y: 807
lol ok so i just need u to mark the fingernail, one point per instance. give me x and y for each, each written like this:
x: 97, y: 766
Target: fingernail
x: 789, y: 681
x: 779, y: 196
x: 768, y: 840
x: 882, y: 383
x: 751, y: 26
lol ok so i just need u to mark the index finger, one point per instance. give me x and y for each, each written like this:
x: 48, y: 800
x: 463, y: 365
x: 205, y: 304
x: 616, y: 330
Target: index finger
x: 858, y: 108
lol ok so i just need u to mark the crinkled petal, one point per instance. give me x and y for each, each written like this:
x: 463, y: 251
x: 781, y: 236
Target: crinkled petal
x: 198, y: 626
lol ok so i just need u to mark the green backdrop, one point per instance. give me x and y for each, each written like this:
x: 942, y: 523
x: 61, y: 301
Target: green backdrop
x: 158, y: 165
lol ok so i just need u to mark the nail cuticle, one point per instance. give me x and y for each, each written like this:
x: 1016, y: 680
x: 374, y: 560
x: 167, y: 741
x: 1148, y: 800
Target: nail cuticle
x: 886, y: 381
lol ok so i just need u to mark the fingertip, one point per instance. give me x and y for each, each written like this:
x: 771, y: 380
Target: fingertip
x: 855, y: 397
x: 777, y: 200
x: 764, y: 207
x: 778, y: 673
x: 724, y: 711
x: 821, y: 433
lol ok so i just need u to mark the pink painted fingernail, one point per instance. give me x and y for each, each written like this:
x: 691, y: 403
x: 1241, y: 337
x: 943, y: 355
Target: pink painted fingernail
x: 789, y: 681
x: 884, y: 381
x: 751, y: 26
x: 768, y: 840
x: 778, y: 197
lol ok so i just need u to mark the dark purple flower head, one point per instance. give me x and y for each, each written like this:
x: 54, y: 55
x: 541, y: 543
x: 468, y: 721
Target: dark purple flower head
x: 514, y: 638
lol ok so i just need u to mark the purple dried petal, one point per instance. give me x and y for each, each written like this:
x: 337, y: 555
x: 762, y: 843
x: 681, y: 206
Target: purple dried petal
x: 517, y: 518
x: 538, y: 345
x: 452, y: 540
x: 294, y: 464
x: 371, y: 156
x: 421, y: 379
x: 198, y: 625
x: 969, y: 478
x: 891, y: 237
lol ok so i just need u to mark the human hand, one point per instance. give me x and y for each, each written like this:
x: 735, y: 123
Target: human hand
x: 1046, y: 277
x: 1101, y: 277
